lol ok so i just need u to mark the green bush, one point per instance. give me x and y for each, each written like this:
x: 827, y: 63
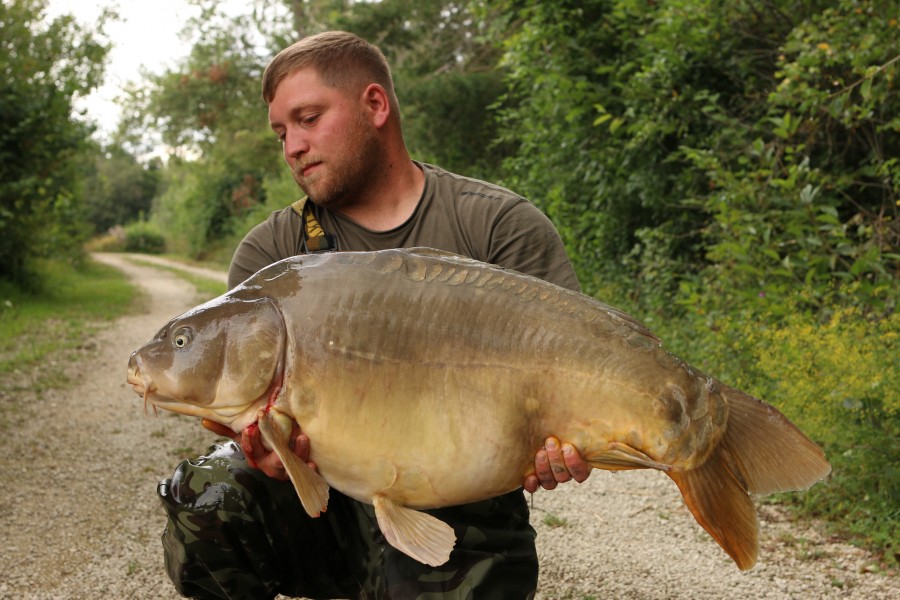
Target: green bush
x: 145, y: 237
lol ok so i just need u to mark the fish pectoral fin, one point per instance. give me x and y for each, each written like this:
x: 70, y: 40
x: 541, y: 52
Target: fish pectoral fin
x: 417, y: 534
x: 311, y: 488
x: 621, y: 457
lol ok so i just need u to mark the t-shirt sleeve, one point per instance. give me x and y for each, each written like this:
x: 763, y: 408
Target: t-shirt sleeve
x: 272, y: 240
x: 524, y: 239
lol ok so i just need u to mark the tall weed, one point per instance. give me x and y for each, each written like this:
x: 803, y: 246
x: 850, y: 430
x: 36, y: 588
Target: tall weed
x: 839, y: 378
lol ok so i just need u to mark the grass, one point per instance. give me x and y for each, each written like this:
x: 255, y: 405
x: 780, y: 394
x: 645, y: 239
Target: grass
x: 63, y: 315
x: 551, y: 520
x: 40, y: 329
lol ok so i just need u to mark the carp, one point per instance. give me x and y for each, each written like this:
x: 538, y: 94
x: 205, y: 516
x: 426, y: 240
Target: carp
x: 401, y: 365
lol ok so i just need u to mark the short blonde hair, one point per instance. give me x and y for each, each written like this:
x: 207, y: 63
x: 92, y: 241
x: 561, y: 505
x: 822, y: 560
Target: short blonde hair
x: 343, y: 60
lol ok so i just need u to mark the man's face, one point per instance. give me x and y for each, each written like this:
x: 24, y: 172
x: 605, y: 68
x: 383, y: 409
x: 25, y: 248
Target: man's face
x: 328, y: 142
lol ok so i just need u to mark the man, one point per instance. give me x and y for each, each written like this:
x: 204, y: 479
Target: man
x: 235, y: 533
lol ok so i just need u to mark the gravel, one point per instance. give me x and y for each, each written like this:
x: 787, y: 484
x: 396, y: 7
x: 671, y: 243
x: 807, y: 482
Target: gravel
x: 81, y: 518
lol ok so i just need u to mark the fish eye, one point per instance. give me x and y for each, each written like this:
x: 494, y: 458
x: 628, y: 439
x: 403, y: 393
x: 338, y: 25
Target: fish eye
x: 182, y: 337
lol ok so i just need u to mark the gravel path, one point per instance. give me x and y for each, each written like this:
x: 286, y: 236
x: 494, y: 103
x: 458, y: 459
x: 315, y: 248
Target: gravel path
x: 81, y: 518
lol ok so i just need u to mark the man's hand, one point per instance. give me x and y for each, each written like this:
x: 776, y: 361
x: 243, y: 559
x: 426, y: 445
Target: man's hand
x: 554, y: 465
x: 257, y: 455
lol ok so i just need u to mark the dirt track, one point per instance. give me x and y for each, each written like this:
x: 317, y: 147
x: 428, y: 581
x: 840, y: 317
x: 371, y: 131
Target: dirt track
x: 81, y: 518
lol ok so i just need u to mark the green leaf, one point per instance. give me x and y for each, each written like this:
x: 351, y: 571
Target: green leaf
x: 616, y: 124
x: 865, y: 89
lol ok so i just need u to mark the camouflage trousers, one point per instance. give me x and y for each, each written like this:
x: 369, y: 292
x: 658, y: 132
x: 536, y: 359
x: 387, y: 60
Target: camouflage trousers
x: 233, y: 532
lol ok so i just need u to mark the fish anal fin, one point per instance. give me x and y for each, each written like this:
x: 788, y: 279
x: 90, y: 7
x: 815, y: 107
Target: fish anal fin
x: 620, y: 457
x: 417, y: 534
x: 717, y: 496
x: 311, y: 488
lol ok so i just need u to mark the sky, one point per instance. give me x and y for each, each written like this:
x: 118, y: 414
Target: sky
x: 146, y: 35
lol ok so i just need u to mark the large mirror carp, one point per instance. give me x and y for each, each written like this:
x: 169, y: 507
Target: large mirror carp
x: 425, y: 379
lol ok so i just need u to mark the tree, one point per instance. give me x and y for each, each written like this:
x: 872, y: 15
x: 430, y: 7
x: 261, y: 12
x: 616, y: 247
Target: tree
x: 119, y: 189
x: 208, y: 108
x: 809, y: 198
x: 444, y: 65
x: 43, y: 66
x: 702, y: 151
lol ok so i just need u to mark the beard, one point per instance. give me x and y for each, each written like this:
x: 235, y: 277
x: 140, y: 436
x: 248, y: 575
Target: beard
x: 340, y: 179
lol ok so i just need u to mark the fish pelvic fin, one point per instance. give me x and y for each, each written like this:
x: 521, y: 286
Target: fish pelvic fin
x: 761, y: 452
x: 417, y: 534
x: 311, y: 488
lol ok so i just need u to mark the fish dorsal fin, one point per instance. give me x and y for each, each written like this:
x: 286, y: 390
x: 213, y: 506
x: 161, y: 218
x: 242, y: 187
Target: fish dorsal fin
x: 434, y: 253
x: 613, y: 312
x: 416, y: 534
x: 312, y: 489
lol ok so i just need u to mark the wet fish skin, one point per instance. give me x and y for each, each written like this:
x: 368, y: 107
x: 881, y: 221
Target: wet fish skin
x: 402, y: 365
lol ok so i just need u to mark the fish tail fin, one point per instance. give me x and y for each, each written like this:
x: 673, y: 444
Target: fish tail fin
x: 761, y: 452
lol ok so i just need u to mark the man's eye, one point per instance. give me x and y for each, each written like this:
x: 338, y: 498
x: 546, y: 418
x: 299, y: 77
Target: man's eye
x: 310, y: 119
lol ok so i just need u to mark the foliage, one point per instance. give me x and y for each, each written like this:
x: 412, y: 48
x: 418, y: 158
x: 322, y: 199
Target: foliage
x: 598, y: 101
x: 209, y: 110
x: 811, y: 199
x: 43, y: 66
x: 141, y: 236
x: 444, y: 69
x: 111, y: 241
x: 689, y: 163
x: 208, y: 95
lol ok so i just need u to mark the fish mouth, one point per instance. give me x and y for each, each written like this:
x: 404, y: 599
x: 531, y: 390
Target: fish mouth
x: 137, y: 382
x: 142, y: 387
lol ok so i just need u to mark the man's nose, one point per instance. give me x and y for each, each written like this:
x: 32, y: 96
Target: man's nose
x: 295, y: 144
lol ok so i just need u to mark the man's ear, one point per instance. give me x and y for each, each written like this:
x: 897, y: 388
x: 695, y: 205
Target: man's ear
x: 375, y: 101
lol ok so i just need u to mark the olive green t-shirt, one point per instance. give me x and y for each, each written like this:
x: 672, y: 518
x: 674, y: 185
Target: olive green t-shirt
x: 457, y: 214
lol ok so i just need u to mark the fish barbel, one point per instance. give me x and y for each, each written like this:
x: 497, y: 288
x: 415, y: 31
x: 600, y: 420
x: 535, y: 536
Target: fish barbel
x: 403, y: 365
